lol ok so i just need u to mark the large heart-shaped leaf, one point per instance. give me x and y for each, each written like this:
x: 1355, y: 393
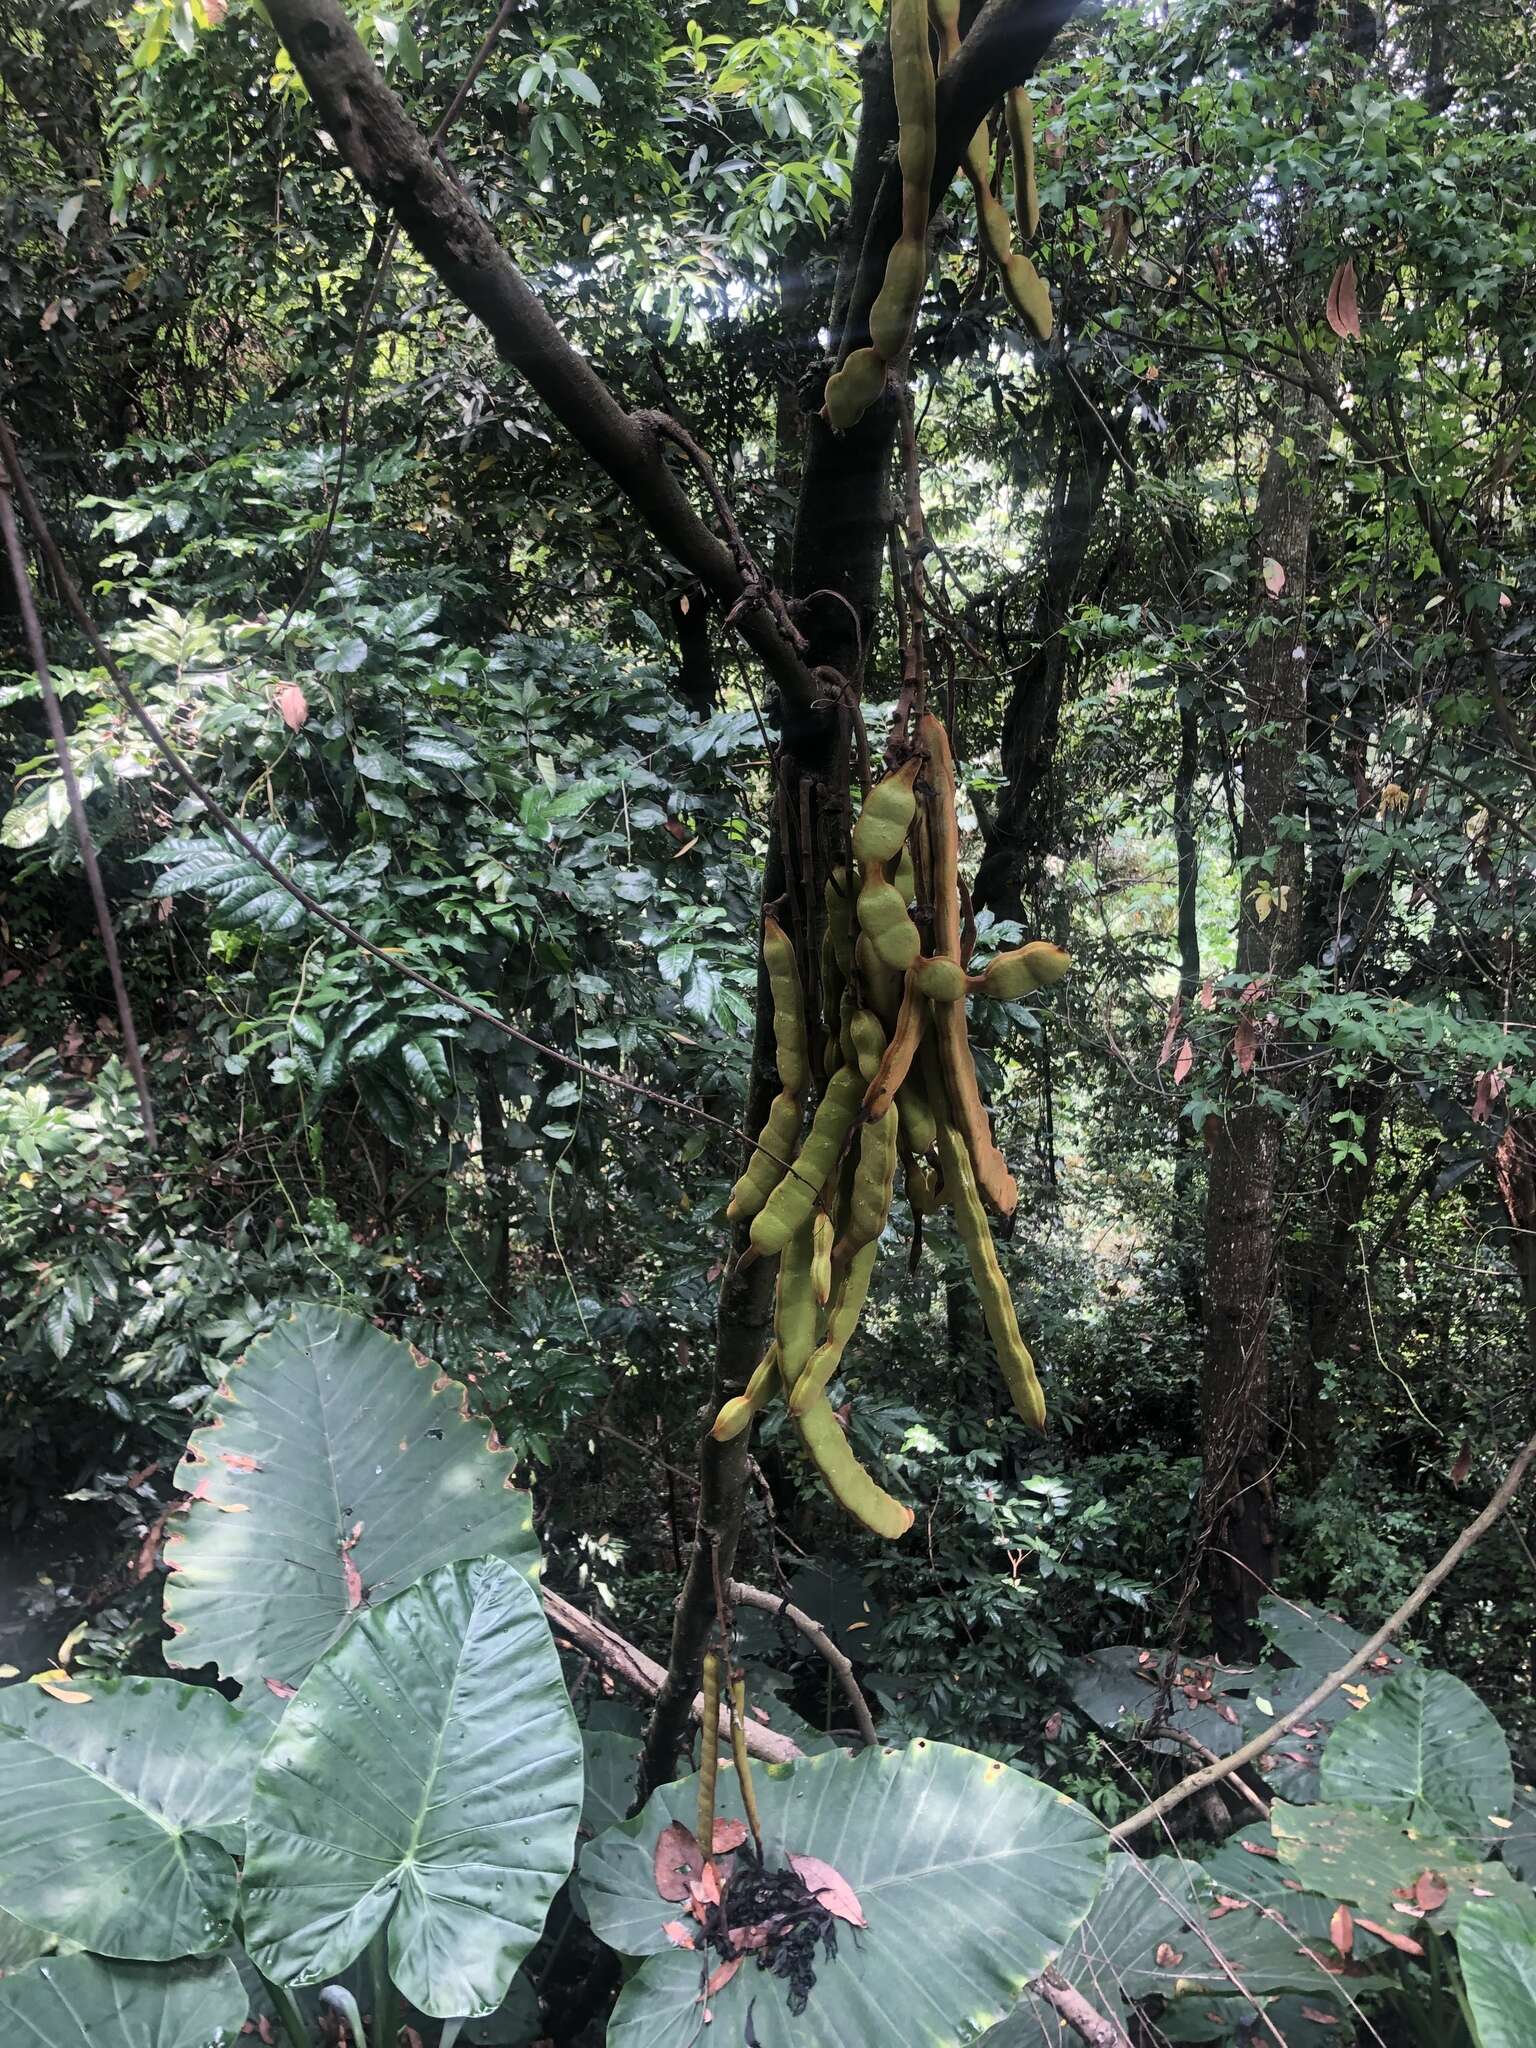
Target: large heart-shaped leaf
x: 1518, y: 1847
x: 82, y: 2002
x: 1374, y: 1863
x: 427, y: 1776
x: 335, y: 1471
x: 1496, y: 1942
x: 1320, y: 1642
x: 1162, y: 1928
x: 970, y: 1875
x: 1426, y: 1750
x: 1120, y: 1688
x: 118, y: 1812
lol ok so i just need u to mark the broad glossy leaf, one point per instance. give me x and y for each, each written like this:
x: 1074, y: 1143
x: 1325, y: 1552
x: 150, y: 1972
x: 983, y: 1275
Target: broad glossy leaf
x: 83, y: 2002
x: 335, y: 1472
x: 1118, y: 1688
x: 1518, y: 1847
x: 1320, y: 1642
x: 118, y: 1814
x: 426, y: 1777
x: 1371, y: 1862
x: 1426, y: 1750
x: 610, y: 1764
x: 1496, y: 1943
x: 971, y: 1876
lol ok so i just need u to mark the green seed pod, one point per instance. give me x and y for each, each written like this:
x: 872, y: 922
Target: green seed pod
x: 924, y: 1193
x: 904, y: 877
x: 1019, y: 973
x: 739, y: 1411
x: 1018, y: 1367
x: 853, y: 389
x: 918, y: 1126
x: 821, y: 1257
x: 941, y: 980
x: 788, y: 1006
x: 870, y: 1201
x: 867, y: 1035
x: 791, y: 1202
x: 884, y: 922
x: 846, y: 1478
x: 709, y: 1753
x: 886, y: 818
x: 795, y: 1308
x: 1030, y: 294
x: 766, y: 1168
x: 882, y: 985
x: 838, y: 898
x: 743, y: 1761
x: 892, y: 316
x: 822, y: 1367
x: 1021, y: 135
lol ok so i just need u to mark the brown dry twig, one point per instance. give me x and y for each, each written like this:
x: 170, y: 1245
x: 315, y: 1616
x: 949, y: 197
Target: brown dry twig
x: 817, y: 1637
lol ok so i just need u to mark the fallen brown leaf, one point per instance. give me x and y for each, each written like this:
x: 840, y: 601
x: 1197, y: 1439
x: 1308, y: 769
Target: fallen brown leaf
x: 676, y: 1862
x: 829, y: 1888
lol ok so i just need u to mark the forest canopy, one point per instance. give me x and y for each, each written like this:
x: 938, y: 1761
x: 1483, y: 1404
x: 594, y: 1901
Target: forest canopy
x: 767, y: 1121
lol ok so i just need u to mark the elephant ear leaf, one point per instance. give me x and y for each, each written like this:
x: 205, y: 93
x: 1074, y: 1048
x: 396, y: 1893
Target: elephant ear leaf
x: 426, y: 1780
x: 119, y: 1809
x: 336, y: 1470
x: 83, y: 2002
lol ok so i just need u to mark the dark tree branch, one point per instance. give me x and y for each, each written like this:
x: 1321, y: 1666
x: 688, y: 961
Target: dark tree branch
x: 394, y: 163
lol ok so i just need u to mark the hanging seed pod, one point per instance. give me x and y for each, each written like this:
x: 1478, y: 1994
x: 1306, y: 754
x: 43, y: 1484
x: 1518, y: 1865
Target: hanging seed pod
x: 736, y: 1413
x: 791, y: 1202
x: 1018, y: 1368
x: 886, y: 818
x: 821, y: 1369
x: 850, y: 1485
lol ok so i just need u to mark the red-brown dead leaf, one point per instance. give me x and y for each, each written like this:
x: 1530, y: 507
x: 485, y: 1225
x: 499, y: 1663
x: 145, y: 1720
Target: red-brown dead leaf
x: 240, y: 1461
x: 1461, y: 1470
x: 1274, y: 576
x: 1175, y: 1018
x: 745, y: 1940
x: 679, y: 1933
x: 292, y: 705
x: 1183, y: 1063
x: 1208, y: 994
x: 1245, y: 1045
x: 1343, y: 308
x: 1052, y: 1728
x: 1227, y: 1713
x: 1260, y: 1849
x: 1225, y: 1904
x: 1320, y: 2019
x: 829, y: 1888
x: 676, y: 1861
x: 1168, y: 1957
x: 719, y: 1978
x: 1403, y: 1942
x: 1430, y: 1891
x: 729, y: 1835
x: 279, y: 1689
x: 350, y: 1572
x: 1341, y: 1929
x: 704, y: 1891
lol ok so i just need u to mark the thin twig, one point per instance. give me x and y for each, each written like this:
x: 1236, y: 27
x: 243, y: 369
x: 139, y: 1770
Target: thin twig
x: 817, y: 1637
x: 32, y: 626
x: 1212, y: 1774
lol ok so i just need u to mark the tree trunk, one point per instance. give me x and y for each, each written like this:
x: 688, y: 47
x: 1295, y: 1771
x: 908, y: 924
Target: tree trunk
x: 1237, y: 1504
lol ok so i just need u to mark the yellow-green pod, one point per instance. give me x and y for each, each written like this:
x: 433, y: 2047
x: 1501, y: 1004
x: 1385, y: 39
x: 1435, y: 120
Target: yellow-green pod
x: 740, y: 1409
x: 838, y: 898
x: 795, y: 1307
x: 883, y: 920
x: 912, y: 80
x: 792, y: 1201
x: 788, y: 1006
x: 1018, y: 1368
x: 882, y: 985
x: 853, y: 1290
x: 904, y: 877
x: 1019, y: 973
x: 924, y: 1193
x: 743, y: 1760
x: 870, y: 1200
x: 918, y: 1125
x: 887, y: 816
x: 822, y: 1235
x: 853, y: 389
x: 867, y: 1037
x: 941, y: 980
x: 766, y: 1168
x: 709, y: 1753
x: 850, y: 1485
x: 1030, y: 294
x: 1021, y: 135
x: 894, y: 312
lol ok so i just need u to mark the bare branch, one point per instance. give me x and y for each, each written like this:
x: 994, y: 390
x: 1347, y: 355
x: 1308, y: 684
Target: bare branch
x: 817, y: 1637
